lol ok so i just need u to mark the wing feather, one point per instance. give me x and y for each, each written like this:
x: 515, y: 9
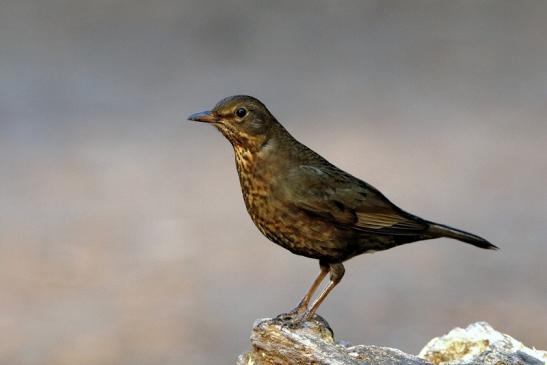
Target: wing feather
x: 347, y: 201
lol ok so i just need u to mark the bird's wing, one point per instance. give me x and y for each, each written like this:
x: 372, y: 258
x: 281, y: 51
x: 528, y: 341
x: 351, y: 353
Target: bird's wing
x: 347, y: 201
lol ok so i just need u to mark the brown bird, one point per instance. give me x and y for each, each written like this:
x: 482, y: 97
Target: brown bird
x: 307, y: 205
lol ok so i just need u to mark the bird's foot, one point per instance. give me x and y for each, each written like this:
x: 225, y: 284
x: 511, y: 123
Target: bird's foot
x: 294, y: 321
x: 304, y: 320
x: 295, y: 318
x: 291, y: 315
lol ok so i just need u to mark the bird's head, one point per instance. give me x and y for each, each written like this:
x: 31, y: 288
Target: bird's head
x: 242, y: 119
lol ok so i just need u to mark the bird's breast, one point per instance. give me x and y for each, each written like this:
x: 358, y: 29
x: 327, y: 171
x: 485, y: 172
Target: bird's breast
x: 276, y: 218
x: 254, y: 179
x: 258, y: 175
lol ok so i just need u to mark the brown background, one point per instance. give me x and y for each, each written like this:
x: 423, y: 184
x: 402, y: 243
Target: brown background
x: 124, y: 239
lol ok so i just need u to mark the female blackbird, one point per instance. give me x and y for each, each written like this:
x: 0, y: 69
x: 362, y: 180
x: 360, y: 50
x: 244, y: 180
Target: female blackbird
x: 305, y: 204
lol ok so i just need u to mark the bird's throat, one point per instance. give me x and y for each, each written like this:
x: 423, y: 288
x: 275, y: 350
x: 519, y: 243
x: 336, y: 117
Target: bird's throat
x: 245, y: 159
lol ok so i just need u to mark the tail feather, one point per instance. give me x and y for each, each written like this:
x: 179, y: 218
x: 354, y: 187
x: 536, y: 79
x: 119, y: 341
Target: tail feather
x: 440, y: 230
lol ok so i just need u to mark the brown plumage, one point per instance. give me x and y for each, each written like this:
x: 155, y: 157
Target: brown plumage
x: 305, y: 204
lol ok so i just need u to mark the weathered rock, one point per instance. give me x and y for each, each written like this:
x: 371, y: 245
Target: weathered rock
x: 314, y: 343
x: 480, y: 343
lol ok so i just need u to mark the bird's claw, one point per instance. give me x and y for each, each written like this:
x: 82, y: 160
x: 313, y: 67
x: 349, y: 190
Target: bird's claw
x: 294, y: 323
x: 290, y: 315
x: 293, y: 319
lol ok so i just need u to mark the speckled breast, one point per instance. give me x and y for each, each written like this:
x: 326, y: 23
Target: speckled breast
x: 283, y: 224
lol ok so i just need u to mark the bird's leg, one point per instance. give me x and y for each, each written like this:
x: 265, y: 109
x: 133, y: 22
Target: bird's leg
x: 303, y: 305
x: 336, y: 273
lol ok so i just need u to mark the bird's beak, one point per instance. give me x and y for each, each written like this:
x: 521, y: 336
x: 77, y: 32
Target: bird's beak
x: 204, y: 117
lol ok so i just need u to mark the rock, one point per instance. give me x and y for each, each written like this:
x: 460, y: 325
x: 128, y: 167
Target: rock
x: 272, y: 342
x: 480, y: 343
x: 313, y: 343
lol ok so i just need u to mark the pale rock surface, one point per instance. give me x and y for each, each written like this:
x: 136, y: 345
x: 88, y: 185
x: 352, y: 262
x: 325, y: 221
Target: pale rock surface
x: 480, y: 343
x: 272, y: 342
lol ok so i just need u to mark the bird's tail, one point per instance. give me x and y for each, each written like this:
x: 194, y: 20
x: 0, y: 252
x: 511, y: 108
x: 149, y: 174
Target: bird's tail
x: 440, y: 230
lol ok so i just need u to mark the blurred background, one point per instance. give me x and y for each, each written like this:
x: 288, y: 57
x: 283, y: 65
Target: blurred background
x: 123, y: 234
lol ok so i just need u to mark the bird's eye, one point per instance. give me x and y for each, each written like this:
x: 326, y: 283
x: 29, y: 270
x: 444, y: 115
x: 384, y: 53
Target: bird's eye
x: 241, y: 112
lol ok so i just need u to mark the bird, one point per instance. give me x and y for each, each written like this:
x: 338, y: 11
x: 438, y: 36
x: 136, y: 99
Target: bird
x: 305, y: 204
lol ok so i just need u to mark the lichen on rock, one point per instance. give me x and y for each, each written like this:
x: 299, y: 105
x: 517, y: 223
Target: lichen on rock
x: 479, y: 343
x: 273, y: 342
